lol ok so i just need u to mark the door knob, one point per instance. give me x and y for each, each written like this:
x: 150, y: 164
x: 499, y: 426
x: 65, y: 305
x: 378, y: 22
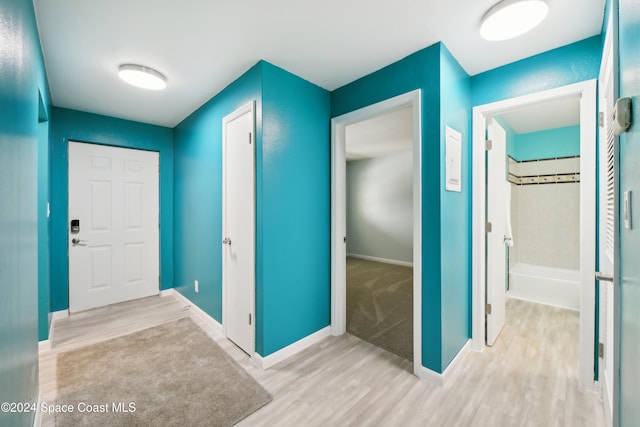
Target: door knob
x: 226, y: 241
x: 77, y: 241
x: 603, y: 277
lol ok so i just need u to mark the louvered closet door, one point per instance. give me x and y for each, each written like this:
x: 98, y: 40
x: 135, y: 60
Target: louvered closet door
x: 607, y: 172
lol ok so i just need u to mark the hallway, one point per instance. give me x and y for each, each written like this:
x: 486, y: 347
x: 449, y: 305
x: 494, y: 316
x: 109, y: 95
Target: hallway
x: 527, y: 378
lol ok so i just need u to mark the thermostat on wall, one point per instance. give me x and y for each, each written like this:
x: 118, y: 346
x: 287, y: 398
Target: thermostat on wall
x: 622, y: 116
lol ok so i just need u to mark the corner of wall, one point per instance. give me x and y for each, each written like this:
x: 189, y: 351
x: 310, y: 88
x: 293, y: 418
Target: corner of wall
x: 294, y: 176
x: 455, y: 225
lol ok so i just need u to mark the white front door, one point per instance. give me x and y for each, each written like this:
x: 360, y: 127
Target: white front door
x: 113, y: 225
x: 238, y: 227
x: 496, y: 252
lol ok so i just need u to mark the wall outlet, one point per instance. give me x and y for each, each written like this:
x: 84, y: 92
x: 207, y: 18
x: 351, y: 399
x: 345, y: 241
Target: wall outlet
x: 195, y: 285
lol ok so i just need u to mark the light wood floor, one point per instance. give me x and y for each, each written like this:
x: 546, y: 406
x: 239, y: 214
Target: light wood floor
x: 529, y: 378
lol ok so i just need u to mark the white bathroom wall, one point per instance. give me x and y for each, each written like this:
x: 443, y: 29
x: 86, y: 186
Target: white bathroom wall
x: 546, y: 212
x: 380, y: 207
x: 513, y: 250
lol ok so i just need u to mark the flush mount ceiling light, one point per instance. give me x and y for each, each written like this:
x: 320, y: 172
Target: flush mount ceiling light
x: 141, y: 76
x: 511, y: 18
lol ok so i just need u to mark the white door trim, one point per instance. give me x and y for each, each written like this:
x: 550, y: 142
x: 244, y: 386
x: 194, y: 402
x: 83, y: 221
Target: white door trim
x: 338, y: 214
x: 587, y: 92
x: 246, y: 108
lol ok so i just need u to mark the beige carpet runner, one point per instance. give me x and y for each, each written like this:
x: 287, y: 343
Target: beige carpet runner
x: 169, y: 375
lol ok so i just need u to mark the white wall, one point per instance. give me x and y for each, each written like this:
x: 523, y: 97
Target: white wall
x: 546, y: 216
x: 380, y: 206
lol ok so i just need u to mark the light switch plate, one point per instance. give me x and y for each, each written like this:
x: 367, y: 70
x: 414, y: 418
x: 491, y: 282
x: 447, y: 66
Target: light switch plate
x: 627, y: 209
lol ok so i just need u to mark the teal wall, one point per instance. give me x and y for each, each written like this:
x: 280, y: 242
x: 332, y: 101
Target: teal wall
x: 44, y: 285
x: 22, y: 77
x: 293, y: 265
x: 292, y: 204
x: 565, y: 65
x: 445, y: 98
x: 629, y: 155
x: 548, y: 144
x: 70, y: 125
x: 198, y: 191
x: 510, y: 134
x: 455, y: 210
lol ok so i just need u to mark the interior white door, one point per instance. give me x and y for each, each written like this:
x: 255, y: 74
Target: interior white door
x: 238, y: 227
x: 113, y: 225
x: 607, y: 244
x: 496, y: 251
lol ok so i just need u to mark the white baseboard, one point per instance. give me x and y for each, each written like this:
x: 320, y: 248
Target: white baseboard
x: 284, y: 353
x: 438, y: 379
x: 45, y: 345
x: 384, y: 260
x: 427, y: 375
x: 37, y: 419
x: 62, y: 314
x: 213, y: 323
x: 56, y: 315
x: 457, y: 361
x: 261, y: 362
x: 604, y: 394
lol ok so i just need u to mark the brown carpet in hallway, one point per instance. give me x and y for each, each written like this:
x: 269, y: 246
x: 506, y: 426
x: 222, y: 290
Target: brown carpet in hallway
x: 380, y: 305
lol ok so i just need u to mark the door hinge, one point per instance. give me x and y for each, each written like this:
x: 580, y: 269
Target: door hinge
x: 601, y: 350
x: 488, y: 227
x: 487, y: 308
x: 488, y: 145
x: 601, y: 119
x: 249, y: 318
x: 249, y: 137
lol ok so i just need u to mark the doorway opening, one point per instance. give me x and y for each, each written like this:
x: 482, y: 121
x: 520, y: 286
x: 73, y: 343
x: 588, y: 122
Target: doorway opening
x: 550, y: 242
x: 407, y: 106
x: 533, y: 259
x: 379, y: 195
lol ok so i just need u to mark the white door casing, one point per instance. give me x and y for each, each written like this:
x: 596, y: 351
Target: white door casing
x: 586, y: 91
x: 496, y: 250
x: 238, y: 227
x: 338, y: 218
x: 114, y: 194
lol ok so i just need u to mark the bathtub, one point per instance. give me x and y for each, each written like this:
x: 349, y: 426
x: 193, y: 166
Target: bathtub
x: 547, y: 285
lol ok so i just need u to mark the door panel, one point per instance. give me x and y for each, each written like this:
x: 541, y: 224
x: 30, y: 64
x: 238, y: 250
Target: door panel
x: 496, y: 250
x: 607, y: 243
x: 114, y: 193
x: 239, y: 227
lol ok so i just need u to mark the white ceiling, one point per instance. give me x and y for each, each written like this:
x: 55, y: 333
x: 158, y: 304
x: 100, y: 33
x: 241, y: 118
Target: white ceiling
x: 545, y: 115
x: 203, y: 45
x: 391, y: 133
x: 383, y: 135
